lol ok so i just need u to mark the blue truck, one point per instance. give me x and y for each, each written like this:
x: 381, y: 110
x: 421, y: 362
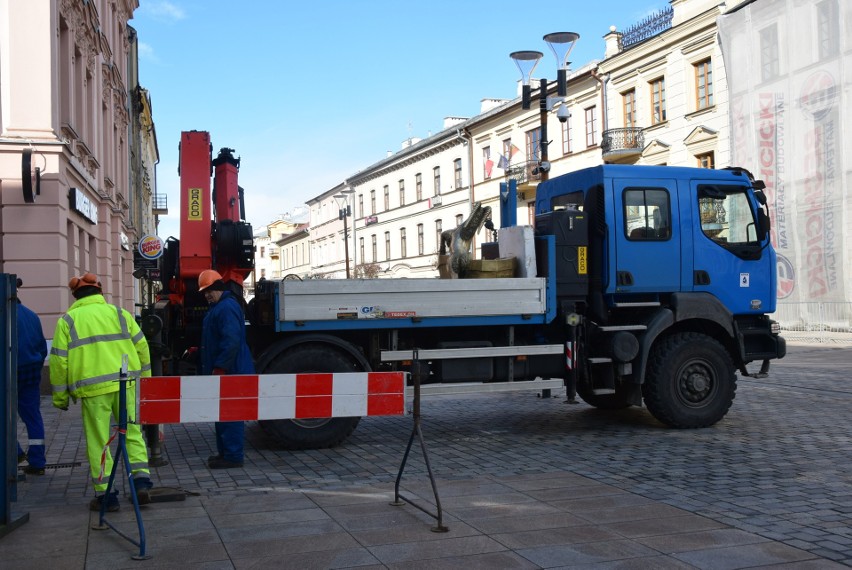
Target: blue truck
x: 652, y: 285
x: 637, y: 285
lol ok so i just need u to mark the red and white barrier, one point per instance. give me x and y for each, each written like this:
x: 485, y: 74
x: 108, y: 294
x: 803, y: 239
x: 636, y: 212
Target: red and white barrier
x: 187, y: 399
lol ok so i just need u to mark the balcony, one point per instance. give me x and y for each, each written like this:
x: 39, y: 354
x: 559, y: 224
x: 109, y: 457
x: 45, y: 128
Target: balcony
x: 522, y: 173
x: 622, y: 145
x: 160, y: 205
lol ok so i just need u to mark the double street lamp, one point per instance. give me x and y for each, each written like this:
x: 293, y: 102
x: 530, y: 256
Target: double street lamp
x: 345, y: 210
x: 561, y: 43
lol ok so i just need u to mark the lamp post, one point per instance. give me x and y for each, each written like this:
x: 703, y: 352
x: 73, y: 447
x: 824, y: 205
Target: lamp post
x: 561, y: 44
x: 343, y: 213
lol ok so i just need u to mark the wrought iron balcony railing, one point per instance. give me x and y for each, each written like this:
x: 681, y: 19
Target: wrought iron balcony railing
x: 624, y: 141
x: 522, y: 172
x: 160, y: 204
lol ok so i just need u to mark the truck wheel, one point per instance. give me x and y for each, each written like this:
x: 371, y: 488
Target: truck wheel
x: 310, y: 433
x: 617, y: 401
x: 691, y: 381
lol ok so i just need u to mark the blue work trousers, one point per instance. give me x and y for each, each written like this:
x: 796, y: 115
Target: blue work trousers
x: 229, y: 440
x: 29, y: 398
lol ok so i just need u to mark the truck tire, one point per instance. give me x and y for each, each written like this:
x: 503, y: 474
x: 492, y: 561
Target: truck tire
x: 691, y: 381
x: 310, y: 433
x: 617, y: 401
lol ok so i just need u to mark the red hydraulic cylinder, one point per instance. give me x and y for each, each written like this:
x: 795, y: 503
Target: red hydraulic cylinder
x: 196, y: 247
x: 226, y: 190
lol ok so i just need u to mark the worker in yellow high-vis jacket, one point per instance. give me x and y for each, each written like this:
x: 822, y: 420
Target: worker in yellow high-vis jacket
x: 85, y: 363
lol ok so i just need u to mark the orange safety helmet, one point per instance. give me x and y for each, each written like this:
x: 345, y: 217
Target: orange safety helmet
x: 86, y: 280
x: 207, y: 278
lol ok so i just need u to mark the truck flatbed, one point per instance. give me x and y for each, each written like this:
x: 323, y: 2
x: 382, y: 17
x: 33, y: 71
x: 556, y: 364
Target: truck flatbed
x: 400, y: 303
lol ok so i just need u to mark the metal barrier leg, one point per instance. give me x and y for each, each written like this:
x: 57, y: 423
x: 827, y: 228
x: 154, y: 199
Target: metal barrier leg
x: 8, y: 401
x: 121, y: 455
x: 399, y: 500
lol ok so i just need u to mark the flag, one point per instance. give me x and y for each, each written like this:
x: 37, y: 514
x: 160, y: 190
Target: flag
x: 503, y: 163
x: 513, y: 151
x: 489, y: 164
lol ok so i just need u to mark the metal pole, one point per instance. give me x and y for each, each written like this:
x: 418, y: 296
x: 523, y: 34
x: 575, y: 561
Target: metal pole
x: 542, y: 105
x: 346, y: 238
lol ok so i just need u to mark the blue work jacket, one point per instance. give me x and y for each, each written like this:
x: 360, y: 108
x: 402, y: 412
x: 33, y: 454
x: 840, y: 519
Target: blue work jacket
x: 223, y: 338
x: 32, y: 348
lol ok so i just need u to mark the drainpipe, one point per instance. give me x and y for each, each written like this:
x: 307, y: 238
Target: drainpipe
x: 603, y: 80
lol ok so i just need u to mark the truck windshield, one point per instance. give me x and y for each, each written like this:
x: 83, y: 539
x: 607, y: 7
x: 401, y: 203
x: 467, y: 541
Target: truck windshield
x: 726, y: 215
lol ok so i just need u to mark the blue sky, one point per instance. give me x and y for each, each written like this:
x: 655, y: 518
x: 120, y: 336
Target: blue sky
x: 309, y: 93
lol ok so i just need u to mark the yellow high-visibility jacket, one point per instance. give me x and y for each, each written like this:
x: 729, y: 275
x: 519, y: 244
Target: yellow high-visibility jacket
x: 88, y: 345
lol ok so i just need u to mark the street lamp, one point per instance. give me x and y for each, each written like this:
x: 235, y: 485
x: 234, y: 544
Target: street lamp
x: 343, y: 214
x: 561, y: 44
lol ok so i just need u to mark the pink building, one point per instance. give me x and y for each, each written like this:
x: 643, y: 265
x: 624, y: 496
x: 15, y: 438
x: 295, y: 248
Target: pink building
x: 76, y: 129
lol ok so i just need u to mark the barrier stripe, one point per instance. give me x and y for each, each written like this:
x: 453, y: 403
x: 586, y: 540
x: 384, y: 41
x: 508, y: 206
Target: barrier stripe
x: 189, y: 399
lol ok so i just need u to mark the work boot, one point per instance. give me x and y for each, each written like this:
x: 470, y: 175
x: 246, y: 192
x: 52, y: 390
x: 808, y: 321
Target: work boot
x: 22, y: 457
x: 31, y: 470
x: 214, y: 458
x: 222, y: 463
x: 112, y: 503
x: 143, y: 486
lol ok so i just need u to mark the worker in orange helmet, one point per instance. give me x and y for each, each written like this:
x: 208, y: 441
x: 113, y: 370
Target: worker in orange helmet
x: 224, y: 351
x: 89, y: 344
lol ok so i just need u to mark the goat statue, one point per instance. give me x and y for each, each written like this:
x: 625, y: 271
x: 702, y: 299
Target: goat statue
x: 458, y: 240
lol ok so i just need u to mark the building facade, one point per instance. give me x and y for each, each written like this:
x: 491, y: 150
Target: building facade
x: 70, y: 99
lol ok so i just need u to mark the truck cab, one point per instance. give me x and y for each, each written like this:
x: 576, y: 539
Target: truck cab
x: 680, y: 253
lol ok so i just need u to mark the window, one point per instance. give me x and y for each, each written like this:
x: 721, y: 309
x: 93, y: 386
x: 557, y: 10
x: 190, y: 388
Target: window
x: 387, y: 197
x: 438, y: 230
x: 727, y: 218
x: 628, y: 99
x: 507, y: 150
x: 418, y: 186
x: 487, y: 163
x: 402, y: 245
x: 457, y: 173
x: 372, y: 202
x: 566, y: 136
x: 420, y: 239
x: 769, y: 67
x: 533, y: 139
x: 402, y: 192
x: 706, y: 160
x: 647, y: 214
x: 361, y: 204
x: 375, y: 248
x: 703, y: 84
x: 361, y: 250
x: 591, y: 126
x: 262, y: 251
x: 658, y: 101
x: 828, y: 33
x: 436, y: 178
x: 387, y: 246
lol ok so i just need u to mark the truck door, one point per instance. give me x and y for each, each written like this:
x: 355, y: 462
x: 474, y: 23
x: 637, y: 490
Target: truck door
x: 730, y: 260
x: 647, y: 243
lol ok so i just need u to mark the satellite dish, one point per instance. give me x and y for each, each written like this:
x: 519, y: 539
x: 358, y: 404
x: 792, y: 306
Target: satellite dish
x: 30, y: 177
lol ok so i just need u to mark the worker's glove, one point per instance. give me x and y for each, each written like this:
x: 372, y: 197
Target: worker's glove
x: 219, y: 371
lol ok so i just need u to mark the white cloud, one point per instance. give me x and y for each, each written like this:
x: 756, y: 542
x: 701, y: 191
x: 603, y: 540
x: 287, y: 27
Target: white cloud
x: 146, y: 52
x: 162, y: 10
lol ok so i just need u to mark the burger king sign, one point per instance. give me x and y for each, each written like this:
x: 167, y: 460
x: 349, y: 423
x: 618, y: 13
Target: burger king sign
x: 150, y: 247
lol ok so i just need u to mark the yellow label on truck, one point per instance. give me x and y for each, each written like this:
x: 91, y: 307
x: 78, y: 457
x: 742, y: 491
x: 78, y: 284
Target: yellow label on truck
x: 582, y: 260
x: 195, y: 207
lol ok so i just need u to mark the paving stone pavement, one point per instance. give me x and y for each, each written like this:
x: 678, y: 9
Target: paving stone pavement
x: 524, y: 482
